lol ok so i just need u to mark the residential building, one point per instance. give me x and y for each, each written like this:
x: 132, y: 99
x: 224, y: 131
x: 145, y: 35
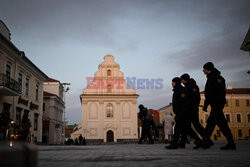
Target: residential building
x: 237, y: 113
x: 21, y: 85
x: 54, y: 107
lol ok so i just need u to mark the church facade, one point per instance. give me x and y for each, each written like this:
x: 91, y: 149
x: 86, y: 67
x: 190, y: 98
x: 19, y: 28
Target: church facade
x: 109, y: 106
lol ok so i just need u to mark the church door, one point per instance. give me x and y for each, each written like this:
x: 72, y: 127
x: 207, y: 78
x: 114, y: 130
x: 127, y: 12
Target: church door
x: 110, y: 136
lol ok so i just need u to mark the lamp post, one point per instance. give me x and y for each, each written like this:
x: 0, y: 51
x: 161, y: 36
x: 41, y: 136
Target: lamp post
x: 65, y: 90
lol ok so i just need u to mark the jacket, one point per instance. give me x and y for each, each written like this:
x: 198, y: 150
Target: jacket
x: 215, y: 89
x: 193, y: 94
x: 180, y: 100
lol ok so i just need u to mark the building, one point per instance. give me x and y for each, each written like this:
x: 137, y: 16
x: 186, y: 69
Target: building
x: 54, y: 107
x: 245, y: 46
x: 162, y: 111
x: 21, y: 85
x: 69, y: 130
x: 237, y: 113
x: 109, y: 106
x: 246, y: 42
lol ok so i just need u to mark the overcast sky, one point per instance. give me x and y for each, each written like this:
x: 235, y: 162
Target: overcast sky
x: 67, y: 39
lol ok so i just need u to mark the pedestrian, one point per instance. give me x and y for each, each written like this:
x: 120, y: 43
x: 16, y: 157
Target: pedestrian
x: 83, y: 141
x: 80, y: 139
x: 215, y: 93
x: 194, y: 95
x: 147, y: 122
x: 168, y: 122
x: 181, y: 108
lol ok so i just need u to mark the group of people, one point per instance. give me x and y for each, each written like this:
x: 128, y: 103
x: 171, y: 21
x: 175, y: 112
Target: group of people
x: 185, y: 103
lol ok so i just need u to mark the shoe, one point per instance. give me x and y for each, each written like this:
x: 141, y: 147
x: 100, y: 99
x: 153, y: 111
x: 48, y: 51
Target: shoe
x: 229, y: 146
x: 197, y: 144
x: 207, y: 144
x: 172, y: 146
x: 166, y: 141
x: 181, y: 145
x: 152, y: 142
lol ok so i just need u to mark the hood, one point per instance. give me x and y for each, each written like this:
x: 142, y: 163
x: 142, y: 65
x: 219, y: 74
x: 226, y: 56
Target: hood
x: 177, y: 88
x: 214, y: 72
x: 192, y: 81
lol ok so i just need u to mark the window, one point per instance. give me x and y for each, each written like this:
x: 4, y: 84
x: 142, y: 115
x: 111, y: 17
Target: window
x: 37, y: 90
x: 35, y: 121
x: 109, y: 88
x: 226, y: 102
x: 109, y: 73
x: 237, y: 103
x: 206, y: 117
x: 218, y: 133
x: 248, y: 118
x: 238, y: 117
x: 8, y: 73
x: 43, y: 107
x: 20, y: 81
x: 18, y: 116
x: 27, y: 86
x: 240, y: 133
x: 201, y: 121
x: 248, y: 102
x: 109, y: 110
x: 228, y: 117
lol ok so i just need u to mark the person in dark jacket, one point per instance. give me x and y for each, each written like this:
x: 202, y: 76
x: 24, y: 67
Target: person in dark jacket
x: 194, y: 95
x: 147, y: 123
x: 215, y: 93
x: 181, y: 108
x: 80, y: 138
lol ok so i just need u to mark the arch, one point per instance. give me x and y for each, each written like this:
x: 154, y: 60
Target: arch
x: 110, y: 136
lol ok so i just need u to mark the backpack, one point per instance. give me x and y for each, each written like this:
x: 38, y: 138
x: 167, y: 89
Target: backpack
x: 149, y: 116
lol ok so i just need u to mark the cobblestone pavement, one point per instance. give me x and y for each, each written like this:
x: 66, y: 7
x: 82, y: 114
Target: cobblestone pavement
x: 143, y: 155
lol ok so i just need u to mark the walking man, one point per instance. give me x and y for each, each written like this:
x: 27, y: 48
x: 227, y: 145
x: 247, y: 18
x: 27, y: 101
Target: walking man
x: 194, y: 94
x: 181, y: 108
x: 215, y: 92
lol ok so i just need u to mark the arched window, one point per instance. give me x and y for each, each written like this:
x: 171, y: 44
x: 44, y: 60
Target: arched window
x: 109, y: 88
x: 109, y: 110
x: 109, y: 73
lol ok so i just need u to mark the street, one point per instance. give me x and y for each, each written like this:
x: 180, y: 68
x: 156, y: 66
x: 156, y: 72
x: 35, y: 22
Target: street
x: 142, y: 155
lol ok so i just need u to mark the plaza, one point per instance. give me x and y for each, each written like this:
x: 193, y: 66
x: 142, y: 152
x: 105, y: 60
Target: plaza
x: 142, y: 155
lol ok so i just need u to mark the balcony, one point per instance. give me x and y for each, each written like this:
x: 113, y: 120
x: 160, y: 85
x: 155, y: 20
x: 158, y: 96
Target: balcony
x: 8, y: 86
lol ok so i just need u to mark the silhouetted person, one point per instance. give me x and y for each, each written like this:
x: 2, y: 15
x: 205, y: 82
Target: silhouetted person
x: 194, y: 95
x: 76, y: 141
x: 80, y: 139
x: 83, y: 141
x: 146, y: 120
x: 215, y: 92
x: 181, y: 108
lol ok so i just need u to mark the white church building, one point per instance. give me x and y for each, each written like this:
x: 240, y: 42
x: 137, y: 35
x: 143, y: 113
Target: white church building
x: 109, y: 106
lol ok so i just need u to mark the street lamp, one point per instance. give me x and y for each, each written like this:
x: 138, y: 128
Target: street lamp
x: 65, y: 90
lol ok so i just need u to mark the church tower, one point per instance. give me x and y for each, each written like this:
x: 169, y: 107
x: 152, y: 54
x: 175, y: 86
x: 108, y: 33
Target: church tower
x: 109, y: 106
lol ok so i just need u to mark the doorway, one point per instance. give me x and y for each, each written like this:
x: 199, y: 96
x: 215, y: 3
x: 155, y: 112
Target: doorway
x: 110, y: 136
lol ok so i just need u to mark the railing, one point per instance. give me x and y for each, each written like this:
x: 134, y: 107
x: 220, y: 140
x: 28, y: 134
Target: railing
x: 10, y: 83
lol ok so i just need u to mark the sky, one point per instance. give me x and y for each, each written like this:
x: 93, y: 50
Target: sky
x: 149, y: 39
